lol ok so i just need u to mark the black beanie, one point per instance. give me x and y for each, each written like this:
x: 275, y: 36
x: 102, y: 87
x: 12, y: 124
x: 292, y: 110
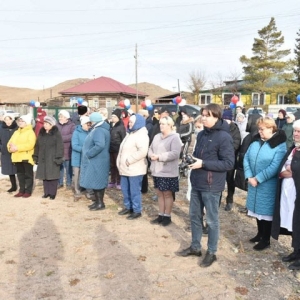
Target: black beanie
x: 82, y: 110
x: 117, y: 112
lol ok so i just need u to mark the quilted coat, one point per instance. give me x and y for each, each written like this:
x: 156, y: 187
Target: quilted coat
x: 262, y: 161
x: 95, y: 162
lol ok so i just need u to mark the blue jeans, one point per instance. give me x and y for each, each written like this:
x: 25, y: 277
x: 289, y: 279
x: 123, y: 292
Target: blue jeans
x: 210, y: 201
x: 65, y: 165
x: 131, y: 189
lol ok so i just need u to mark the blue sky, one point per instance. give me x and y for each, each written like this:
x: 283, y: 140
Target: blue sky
x: 43, y: 43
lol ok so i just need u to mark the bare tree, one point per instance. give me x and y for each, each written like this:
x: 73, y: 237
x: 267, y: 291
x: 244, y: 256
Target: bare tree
x: 196, y: 83
x: 217, y: 85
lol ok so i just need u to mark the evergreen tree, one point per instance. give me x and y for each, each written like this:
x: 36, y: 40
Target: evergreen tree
x: 266, y: 70
x: 297, y: 58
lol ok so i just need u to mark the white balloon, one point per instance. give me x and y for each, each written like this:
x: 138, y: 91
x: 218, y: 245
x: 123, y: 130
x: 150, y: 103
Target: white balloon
x: 84, y: 103
x: 148, y: 102
x: 37, y: 104
x: 240, y: 103
x: 182, y: 103
x: 126, y: 102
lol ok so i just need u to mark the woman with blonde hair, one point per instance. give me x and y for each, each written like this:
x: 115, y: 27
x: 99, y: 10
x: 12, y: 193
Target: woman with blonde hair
x: 261, y: 165
x: 164, y: 153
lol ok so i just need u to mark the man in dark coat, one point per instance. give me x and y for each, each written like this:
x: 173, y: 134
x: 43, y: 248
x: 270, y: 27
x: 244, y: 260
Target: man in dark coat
x: 294, y: 171
x: 236, y: 137
x: 82, y: 110
x: 214, y: 155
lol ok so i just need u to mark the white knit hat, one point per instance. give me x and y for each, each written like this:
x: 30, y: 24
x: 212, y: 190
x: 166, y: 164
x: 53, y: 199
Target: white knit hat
x: 84, y: 120
x: 27, y: 119
x: 64, y: 113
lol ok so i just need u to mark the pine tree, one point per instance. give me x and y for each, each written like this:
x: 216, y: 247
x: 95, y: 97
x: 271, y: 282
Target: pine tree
x: 297, y: 58
x: 267, y: 68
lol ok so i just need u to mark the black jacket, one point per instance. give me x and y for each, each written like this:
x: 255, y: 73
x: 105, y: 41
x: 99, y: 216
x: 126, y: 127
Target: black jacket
x: 117, y: 134
x: 280, y: 122
x: 236, y: 136
x: 185, y: 130
x: 215, y: 148
x: 48, y: 154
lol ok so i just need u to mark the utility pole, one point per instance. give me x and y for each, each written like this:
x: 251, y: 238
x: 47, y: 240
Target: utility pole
x: 179, y: 88
x: 136, y: 80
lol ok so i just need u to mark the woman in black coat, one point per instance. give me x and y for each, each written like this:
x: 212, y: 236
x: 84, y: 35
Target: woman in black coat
x: 293, y: 155
x: 48, y: 155
x: 7, y: 128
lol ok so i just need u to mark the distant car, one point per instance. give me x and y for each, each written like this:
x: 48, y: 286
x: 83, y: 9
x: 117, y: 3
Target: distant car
x: 292, y: 109
x: 8, y: 111
x: 250, y: 111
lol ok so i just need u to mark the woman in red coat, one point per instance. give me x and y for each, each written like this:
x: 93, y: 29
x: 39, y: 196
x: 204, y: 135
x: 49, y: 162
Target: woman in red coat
x: 39, y: 121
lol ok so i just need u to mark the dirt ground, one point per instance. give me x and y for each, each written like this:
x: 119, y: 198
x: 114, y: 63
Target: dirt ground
x: 61, y: 250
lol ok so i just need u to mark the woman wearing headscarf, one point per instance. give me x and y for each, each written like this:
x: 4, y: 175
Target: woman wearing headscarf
x: 21, y: 147
x: 94, y: 168
x: 7, y: 128
x: 280, y: 121
x: 287, y: 206
x: 132, y: 164
x: 261, y: 165
x: 48, y: 155
x: 39, y: 121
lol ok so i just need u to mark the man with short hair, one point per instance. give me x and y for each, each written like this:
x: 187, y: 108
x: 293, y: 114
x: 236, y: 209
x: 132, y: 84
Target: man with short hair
x: 214, y: 156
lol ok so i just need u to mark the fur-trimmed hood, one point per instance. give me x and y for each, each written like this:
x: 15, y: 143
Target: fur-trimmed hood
x: 279, y: 137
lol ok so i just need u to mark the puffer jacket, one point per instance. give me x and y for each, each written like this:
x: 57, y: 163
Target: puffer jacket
x: 134, y: 149
x: 24, y: 139
x: 215, y: 147
x: 262, y: 161
x: 117, y: 135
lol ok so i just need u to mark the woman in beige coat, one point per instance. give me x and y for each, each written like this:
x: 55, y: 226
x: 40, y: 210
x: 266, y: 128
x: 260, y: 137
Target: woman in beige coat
x: 132, y: 165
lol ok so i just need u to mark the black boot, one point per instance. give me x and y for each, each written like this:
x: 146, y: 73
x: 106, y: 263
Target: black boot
x: 99, y: 204
x: 258, y: 237
x: 13, y: 182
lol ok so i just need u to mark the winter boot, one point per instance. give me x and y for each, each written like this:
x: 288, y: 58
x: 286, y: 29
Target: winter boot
x: 13, y: 184
x: 99, y: 204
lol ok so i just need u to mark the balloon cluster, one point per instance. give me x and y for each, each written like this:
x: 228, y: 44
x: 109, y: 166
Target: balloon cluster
x: 147, y: 104
x: 298, y: 98
x: 178, y: 100
x: 125, y: 104
x: 33, y: 103
x: 235, y: 102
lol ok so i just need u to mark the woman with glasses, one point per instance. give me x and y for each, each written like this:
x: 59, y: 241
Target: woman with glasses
x: 164, y: 153
x: 261, y: 164
x: 21, y: 146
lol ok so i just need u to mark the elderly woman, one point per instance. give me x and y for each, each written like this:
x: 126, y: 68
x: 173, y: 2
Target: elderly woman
x: 132, y: 165
x: 78, y: 138
x: 39, y: 121
x: 164, y: 154
x: 21, y: 145
x: 66, y: 128
x: 261, y: 164
x: 287, y: 207
x: 7, y: 128
x: 48, y: 155
x: 241, y: 122
x: 94, y: 168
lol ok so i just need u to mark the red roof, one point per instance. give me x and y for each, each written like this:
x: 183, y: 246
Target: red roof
x: 102, y: 85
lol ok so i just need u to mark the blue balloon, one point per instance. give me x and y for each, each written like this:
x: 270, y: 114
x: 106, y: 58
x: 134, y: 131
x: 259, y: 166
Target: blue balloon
x: 232, y: 105
x: 174, y: 100
x: 79, y: 100
x: 128, y: 106
x: 32, y: 103
x: 298, y: 98
x: 150, y: 107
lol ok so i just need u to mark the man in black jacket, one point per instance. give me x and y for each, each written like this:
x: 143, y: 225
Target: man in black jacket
x: 214, y: 156
x: 236, y: 137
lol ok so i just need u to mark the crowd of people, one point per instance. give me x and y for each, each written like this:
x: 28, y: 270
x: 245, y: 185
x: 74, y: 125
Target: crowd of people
x: 88, y: 153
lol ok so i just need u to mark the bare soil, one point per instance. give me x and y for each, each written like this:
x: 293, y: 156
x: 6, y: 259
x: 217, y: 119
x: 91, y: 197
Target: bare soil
x: 61, y: 250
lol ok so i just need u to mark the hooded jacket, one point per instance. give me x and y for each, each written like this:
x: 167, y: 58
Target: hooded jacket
x: 215, y: 147
x: 78, y: 138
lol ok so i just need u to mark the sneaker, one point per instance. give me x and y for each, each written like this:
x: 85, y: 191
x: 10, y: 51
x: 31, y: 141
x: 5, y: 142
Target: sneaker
x: 189, y: 251
x: 111, y: 185
x: 228, y: 207
x: 118, y: 187
x: 208, y: 260
x: 157, y: 220
x: 166, y: 221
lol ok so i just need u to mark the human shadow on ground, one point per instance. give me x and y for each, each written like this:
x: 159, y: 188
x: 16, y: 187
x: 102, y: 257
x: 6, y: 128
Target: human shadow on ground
x: 121, y: 273
x: 38, y: 268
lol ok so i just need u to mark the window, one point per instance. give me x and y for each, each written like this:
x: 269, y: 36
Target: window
x: 258, y: 98
x: 226, y: 97
x: 205, y: 99
x: 282, y: 99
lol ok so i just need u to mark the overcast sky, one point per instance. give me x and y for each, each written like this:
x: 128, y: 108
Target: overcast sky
x: 43, y: 43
